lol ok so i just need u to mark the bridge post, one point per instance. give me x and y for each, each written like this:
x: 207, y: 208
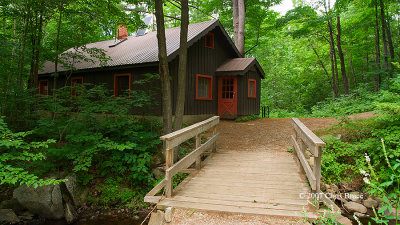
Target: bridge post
x: 198, y: 159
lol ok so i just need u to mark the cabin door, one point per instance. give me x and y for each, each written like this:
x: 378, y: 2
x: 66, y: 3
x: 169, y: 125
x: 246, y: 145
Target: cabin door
x: 227, y: 97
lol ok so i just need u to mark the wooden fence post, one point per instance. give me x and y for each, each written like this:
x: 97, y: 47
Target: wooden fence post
x: 198, y: 159
x: 317, y: 168
x: 214, y: 132
x: 168, y: 184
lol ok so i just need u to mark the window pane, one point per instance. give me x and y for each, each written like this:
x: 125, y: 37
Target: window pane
x: 122, y: 85
x: 251, y: 88
x: 203, y: 87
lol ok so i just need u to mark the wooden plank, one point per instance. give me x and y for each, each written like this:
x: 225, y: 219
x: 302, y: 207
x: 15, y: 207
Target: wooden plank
x: 152, y: 199
x: 304, y: 163
x: 157, y: 188
x: 235, y: 173
x: 191, y: 157
x: 257, y: 198
x: 248, y: 181
x: 317, y: 170
x: 169, y: 158
x: 198, y: 158
x: 329, y: 203
x: 249, y: 204
x: 251, y: 187
x: 176, y: 138
x: 235, y: 209
x: 271, y: 177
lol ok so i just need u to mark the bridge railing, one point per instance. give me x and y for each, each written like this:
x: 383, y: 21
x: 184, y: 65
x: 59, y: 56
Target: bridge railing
x: 176, y: 138
x: 305, y: 140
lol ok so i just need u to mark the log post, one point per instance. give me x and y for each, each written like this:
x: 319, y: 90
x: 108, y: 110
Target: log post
x: 168, y: 184
x: 214, y: 132
x: 317, y: 168
x: 198, y: 159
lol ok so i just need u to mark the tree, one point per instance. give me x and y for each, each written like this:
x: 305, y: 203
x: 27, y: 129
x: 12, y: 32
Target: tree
x: 163, y: 68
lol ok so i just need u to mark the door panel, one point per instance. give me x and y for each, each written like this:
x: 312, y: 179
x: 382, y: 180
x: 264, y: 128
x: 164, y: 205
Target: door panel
x: 227, y: 97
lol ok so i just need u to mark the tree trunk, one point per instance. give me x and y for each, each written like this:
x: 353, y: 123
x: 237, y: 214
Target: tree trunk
x: 352, y: 72
x: 57, y: 47
x: 377, y: 49
x: 235, y: 15
x: 385, y: 44
x: 333, y: 59
x: 180, y: 98
x: 341, y: 57
x: 242, y: 16
x: 163, y: 68
x: 390, y: 43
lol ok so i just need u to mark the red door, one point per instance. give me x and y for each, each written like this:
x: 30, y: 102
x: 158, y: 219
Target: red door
x: 227, y: 97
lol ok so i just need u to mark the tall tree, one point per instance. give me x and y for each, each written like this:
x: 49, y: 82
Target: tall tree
x: 385, y: 44
x: 235, y: 17
x: 181, y: 90
x: 377, y: 49
x: 341, y: 57
x: 390, y: 43
x: 242, y: 21
x: 163, y: 68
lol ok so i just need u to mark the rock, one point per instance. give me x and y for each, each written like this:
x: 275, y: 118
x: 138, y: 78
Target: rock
x: 77, y: 192
x: 308, y: 154
x: 334, y: 188
x: 157, y: 159
x: 26, y: 215
x: 369, y: 203
x: 159, y: 172
x: 12, y: 204
x: 44, y: 201
x: 355, y: 207
x: 169, y: 212
x: 70, y: 213
x: 7, y: 216
x: 344, y: 220
x: 157, y: 218
x: 327, y: 186
x: 311, y: 162
x: 354, y: 196
x: 392, y: 213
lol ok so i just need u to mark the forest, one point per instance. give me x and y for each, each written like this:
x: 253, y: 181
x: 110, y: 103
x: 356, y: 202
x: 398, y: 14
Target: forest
x: 321, y: 59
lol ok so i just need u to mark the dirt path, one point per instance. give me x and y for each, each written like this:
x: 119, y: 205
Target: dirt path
x: 267, y: 135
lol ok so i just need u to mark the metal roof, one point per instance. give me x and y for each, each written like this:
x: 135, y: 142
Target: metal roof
x: 137, y: 49
x: 239, y: 66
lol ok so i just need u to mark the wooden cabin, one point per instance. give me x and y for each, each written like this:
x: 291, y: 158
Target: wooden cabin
x: 219, y: 81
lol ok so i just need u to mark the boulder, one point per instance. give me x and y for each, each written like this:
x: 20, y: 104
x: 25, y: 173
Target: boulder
x: 12, y: 204
x: 26, y: 215
x: 344, y: 220
x: 77, y: 192
x: 355, y: 207
x: 157, y: 218
x: 159, y: 172
x: 7, y: 216
x: 354, y: 196
x: 169, y: 212
x: 70, y: 213
x: 44, y: 201
x: 369, y: 203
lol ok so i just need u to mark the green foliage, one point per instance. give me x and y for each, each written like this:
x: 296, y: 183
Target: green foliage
x: 94, y: 132
x: 16, y: 156
x: 247, y: 118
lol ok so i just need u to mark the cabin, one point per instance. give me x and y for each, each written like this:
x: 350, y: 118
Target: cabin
x: 219, y: 80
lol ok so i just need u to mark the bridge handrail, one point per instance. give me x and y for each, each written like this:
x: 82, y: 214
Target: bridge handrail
x: 173, y: 140
x: 302, y: 140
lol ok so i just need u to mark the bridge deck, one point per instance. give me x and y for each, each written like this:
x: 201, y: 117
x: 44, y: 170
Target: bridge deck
x: 249, y: 182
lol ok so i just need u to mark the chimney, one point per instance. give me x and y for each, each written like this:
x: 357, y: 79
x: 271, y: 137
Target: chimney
x: 122, y: 32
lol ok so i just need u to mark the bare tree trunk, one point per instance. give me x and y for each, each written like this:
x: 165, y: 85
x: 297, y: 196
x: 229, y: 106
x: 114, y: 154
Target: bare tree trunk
x: 377, y: 49
x: 242, y: 17
x: 333, y: 59
x: 180, y: 98
x: 385, y: 44
x: 390, y: 42
x: 57, y: 47
x: 341, y: 57
x: 163, y: 68
x: 235, y: 15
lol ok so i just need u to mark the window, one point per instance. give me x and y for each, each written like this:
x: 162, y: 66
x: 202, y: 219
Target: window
x: 44, y: 87
x: 251, y: 88
x: 122, y: 84
x: 209, y: 39
x: 74, y: 81
x: 203, y: 87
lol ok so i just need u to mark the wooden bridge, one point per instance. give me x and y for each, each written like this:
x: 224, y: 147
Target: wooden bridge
x: 246, y: 182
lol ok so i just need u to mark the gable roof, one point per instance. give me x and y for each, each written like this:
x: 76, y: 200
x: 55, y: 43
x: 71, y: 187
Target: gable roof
x: 141, y: 49
x: 239, y: 66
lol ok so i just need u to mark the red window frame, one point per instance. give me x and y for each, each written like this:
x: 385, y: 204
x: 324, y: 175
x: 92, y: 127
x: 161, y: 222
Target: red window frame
x: 210, y: 87
x: 73, y: 91
x: 254, y: 88
x: 41, y: 91
x: 209, y: 35
x: 116, y: 84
